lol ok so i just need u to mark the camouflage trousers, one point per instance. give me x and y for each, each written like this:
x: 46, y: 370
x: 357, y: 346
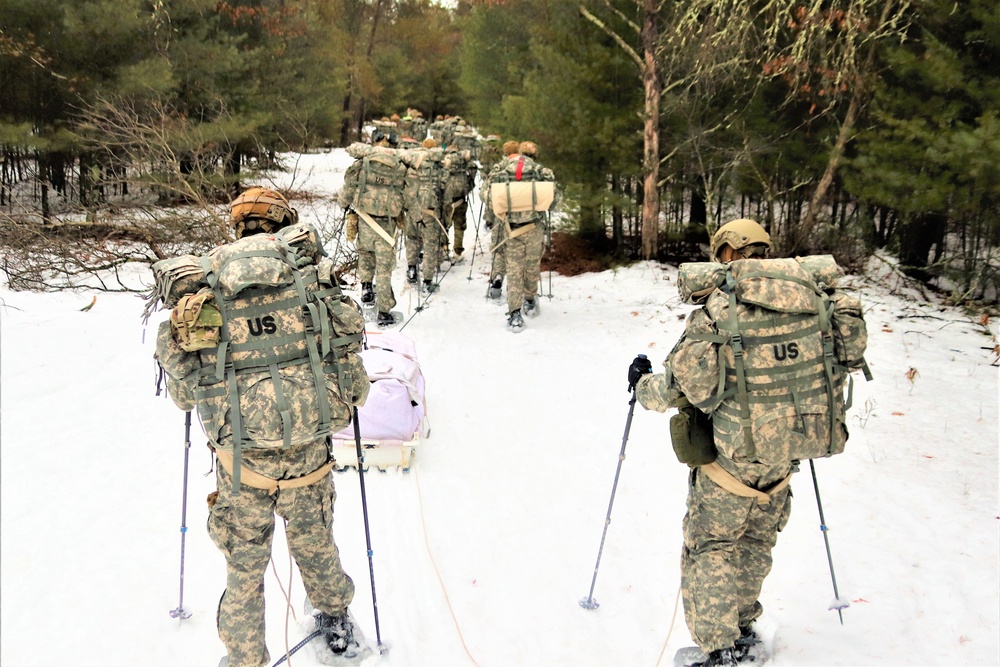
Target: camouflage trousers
x: 377, y: 260
x: 524, y: 258
x: 459, y: 208
x: 242, y: 527
x: 424, y: 235
x: 499, y: 268
x: 727, y: 551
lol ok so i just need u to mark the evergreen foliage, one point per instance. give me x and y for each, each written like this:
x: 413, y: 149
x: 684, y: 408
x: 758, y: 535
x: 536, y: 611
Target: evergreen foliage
x: 842, y: 126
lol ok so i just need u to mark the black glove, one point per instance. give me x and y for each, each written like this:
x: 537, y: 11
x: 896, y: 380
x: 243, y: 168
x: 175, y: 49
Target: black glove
x: 641, y: 365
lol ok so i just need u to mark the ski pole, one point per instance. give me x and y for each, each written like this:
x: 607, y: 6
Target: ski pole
x: 180, y: 612
x: 589, y: 602
x: 308, y: 638
x: 548, y: 249
x: 368, y: 535
x: 475, y: 243
x: 837, y: 604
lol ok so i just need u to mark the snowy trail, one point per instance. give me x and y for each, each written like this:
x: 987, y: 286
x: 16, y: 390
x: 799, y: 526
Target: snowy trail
x: 514, y: 483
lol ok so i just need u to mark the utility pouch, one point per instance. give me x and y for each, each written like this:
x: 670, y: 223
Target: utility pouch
x: 691, y: 436
x: 196, y: 322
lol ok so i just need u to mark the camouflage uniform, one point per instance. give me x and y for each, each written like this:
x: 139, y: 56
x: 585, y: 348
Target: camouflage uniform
x: 376, y: 257
x: 241, y: 520
x: 436, y: 130
x: 424, y: 232
x: 242, y: 526
x: 523, y: 253
x: 459, y: 173
x: 493, y: 163
x: 728, y: 537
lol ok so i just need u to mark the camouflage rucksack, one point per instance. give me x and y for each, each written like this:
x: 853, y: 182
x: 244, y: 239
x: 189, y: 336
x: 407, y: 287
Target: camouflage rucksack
x: 467, y: 140
x: 769, y: 355
x: 374, y: 183
x: 286, y: 369
x: 423, y: 181
x: 457, y: 167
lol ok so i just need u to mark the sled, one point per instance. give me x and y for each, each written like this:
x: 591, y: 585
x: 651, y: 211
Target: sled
x: 393, y: 419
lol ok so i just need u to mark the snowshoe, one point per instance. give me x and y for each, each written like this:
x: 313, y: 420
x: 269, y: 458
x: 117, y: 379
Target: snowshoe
x: 368, y: 311
x: 494, y: 291
x: 428, y: 287
x: 515, y: 322
x: 386, y: 320
x: 748, y: 642
x: 411, y: 274
x: 741, y: 654
x: 530, y: 307
x: 341, y: 641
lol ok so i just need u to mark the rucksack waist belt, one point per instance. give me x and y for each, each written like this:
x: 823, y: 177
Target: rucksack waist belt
x: 519, y: 225
x: 377, y: 228
x: 725, y: 479
x: 272, y: 486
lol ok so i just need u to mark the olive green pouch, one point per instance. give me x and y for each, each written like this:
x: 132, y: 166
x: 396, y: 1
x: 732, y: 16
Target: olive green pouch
x: 691, y: 435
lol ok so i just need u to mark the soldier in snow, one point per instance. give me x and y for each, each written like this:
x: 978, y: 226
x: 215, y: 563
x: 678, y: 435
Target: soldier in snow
x: 373, y: 193
x: 498, y: 269
x: 758, y: 379
x: 268, y: 426
x: 521, y: 194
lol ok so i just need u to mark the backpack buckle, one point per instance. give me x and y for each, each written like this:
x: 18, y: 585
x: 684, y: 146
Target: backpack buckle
x: 736, y: 341
x: 827, y: 345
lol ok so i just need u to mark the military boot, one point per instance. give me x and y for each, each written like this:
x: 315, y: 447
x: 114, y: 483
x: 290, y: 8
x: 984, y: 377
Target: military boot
x: 367, y: 293
x: 515, y: 322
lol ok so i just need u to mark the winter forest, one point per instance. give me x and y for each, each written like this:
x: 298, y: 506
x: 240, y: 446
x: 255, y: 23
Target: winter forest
x: 864, y: 129
x: 849, y: 126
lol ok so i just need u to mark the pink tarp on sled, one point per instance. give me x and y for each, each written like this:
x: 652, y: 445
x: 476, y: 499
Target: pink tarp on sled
x: 394, y: 417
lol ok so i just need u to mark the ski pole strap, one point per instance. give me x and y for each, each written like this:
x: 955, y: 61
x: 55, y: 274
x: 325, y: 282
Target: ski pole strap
x: 727, y: 481
x: 272, y: 486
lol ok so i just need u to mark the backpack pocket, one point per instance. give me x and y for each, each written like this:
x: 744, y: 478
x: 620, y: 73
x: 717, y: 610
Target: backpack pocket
x: 347, y: 376
x: 265, y: 419
x: 178, y: 365
x: 850, y: 333
x: 780, y: 434
x: 346, y: 318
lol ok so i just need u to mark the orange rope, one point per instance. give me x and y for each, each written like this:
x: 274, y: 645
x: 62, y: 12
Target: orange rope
x: 427, y: 544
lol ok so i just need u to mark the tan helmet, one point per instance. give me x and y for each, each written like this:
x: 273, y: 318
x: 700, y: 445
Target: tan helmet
x: 745, y: 236
x: 429, y: 142
x: 510, y: 147
x: 260, y: 210
x: 528, y: 148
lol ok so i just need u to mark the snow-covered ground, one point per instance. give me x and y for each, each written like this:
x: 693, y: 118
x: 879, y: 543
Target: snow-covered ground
x: 484, y: 549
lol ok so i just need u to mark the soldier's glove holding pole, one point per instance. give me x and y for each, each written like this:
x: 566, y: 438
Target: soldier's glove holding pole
x: 352, y: 226
x: 641, y: 365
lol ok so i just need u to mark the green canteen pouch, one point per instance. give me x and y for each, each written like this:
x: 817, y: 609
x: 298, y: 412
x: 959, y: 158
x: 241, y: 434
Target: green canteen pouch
x: 691, y: 436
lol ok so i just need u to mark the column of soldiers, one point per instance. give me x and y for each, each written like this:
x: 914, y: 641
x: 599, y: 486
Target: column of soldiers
x: 428, y: 196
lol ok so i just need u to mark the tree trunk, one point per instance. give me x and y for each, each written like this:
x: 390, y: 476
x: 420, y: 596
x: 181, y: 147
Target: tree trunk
x: 798, y: 239
x: 800, y: 236
x: 650, y: 133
